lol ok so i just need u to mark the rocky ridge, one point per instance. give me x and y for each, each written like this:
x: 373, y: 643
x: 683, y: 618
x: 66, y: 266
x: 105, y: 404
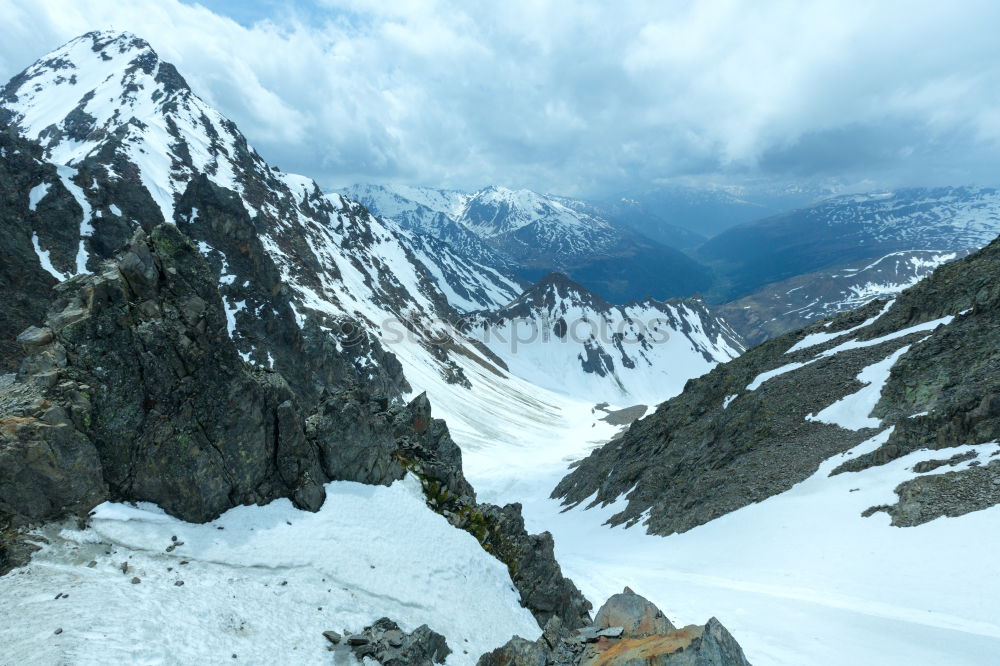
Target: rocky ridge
x: 133, y: 391
x: 920, y: 372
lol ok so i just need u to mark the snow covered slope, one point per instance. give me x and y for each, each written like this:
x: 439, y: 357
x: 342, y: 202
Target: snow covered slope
x: 832, y: 439
x: 541, y: 233
x: 563, y: 337
x: 258, y: 585
x: 926, y: 364
x: 801, y: 578
x: 790, y: 304
x: 434, y: 213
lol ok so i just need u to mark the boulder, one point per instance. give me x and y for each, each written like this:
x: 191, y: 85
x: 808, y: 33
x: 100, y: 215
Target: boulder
x: 517, y: 652
x: 710, y: 645
x: 649, y: 639
x: 636, y: 615
x: 385, y: 643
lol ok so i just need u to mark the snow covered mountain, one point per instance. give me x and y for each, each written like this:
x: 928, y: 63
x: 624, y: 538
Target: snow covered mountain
x: 314, y: 285
x: 852, y: 228
x: 273, y: 350
x: 539, y: 234
x: 784, y: 306
x: 565, y: 338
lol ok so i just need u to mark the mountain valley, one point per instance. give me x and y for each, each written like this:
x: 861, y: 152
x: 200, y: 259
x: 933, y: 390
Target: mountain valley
x: 246, y: 418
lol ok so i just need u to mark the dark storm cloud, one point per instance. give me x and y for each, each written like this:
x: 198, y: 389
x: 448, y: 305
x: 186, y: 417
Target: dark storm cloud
x: 577, y: 97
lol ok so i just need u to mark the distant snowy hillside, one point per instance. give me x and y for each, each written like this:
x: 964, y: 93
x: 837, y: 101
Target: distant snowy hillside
x: 784, y: 306
x: 849, y: 229
x: 538, y: 234
x: 565, y: 338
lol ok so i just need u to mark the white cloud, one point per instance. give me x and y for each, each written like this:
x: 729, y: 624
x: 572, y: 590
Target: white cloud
x: 576, y: 97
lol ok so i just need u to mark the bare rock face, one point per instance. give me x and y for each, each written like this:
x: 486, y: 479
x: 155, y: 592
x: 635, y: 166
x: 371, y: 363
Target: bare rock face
x: 628, y: 630
x: 140, y: 372
x: 46, y: 465
x: 636, y: 615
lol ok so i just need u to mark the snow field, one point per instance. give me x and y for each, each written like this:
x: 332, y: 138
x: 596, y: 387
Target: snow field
x: 261, y: 583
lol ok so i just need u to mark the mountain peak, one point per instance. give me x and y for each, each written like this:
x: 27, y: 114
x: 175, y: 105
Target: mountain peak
x: 90, y: 82
x: 110, y: 91
x: 554, y: 289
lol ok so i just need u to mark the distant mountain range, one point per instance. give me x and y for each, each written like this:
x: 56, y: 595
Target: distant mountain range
x: 793, y: 303
x: 770, y: 275
x: 848, y: 229
x: 537, y: 234
x: 684, y: 216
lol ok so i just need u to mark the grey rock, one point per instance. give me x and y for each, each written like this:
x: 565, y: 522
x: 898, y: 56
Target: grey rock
x: 516, y: 652
x: 633, y: 614
x: 35, y: 336
x: 388, y: 645
x: 593, y: 634
x: 332, y: 636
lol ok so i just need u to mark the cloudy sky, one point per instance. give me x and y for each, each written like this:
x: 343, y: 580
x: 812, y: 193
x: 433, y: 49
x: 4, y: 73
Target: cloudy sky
x: 579, y: 98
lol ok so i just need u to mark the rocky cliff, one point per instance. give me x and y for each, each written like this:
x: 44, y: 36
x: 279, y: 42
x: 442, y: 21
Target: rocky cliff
x: 132, y: 390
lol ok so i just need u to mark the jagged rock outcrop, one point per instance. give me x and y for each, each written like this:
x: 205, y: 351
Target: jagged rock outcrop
x: 139, y: 364
x: 385, y: 643
x: 367, y: 439
x: 628, y: 631
x: 755, y: 426
x: 530, y: 558
x: 134, y: 390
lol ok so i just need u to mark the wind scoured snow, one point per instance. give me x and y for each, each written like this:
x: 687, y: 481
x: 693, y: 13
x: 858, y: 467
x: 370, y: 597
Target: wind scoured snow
x: 262, y: 583
x: 853, y: 411
x: 814, y: 339
x: 45, y: 260
x: 771, y: 374
x: 36, y: 195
